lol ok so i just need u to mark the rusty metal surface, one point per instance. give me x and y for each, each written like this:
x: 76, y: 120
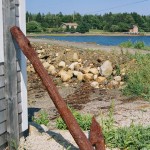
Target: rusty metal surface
x: 96, y: 135
x: 65, y: 113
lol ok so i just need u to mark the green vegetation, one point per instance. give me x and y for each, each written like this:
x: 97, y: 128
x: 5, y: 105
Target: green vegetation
x: 84, y: 121
x: 42, y: 118
x: 108, y: 22
x: 136, y: 45
x: 138, y: 76
x: 128, y: 138
x: 125, y: 138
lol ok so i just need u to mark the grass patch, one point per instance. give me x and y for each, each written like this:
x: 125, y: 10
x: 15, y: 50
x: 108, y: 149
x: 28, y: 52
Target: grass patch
x: 42, y: 118
x: 128, y: 138
x: 138, y: 76
x: 137, y: 45
x: 134, y: 137
x: 84, y: 121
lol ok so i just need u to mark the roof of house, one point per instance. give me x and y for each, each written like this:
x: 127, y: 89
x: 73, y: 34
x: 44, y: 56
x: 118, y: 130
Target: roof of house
x: 70, y: 24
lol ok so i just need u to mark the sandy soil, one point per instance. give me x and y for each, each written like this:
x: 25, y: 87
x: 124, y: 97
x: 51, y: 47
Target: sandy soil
x: 85, y: 99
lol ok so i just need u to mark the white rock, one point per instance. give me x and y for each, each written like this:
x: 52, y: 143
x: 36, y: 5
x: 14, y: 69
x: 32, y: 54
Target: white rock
x: 46, y: 65
x: 44, y: 128
x: 57, y: 54
x: 72, y: 66
x: 95, y: 77
x: 52, y: 70
x: 80, y: 76
x: 95, y: 84
x: 62, y: 64
x: 75, y: 73
x: 75, y: 57
x: 117, y: 78
x: 94, y: 71
x: 70, y: 72
x: 65, y: 77
x: 38, y: 51
x: 106, y: 69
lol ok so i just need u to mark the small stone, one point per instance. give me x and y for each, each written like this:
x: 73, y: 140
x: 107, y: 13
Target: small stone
x: 101, y: 80
x: 85, y: 70
x: 52, y: 70
x: 114, y: 84
x: 122, y: 83
x: 80, y: 76
x: 88, y: 76
x: 95, y: 84
x: 72, y: 66
x: 117, y: 78
x: 46, y: 65
x: 65, y: 76
x: 75, y: 57
x: 62, y: 64
x: 44, y: 127
x: 94, y: 71
x: 95, y: 76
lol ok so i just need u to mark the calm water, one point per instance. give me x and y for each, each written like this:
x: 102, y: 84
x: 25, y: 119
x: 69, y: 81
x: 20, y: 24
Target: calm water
x: 102, y: 40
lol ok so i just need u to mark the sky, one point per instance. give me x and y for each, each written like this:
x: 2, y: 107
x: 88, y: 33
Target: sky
x: 142, y: 7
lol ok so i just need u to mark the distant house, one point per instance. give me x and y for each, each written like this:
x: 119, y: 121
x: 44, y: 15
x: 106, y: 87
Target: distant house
x: 134, y: 29
x: 64, y: 25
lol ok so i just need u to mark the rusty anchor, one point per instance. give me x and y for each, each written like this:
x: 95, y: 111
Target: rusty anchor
x: 96, y: 138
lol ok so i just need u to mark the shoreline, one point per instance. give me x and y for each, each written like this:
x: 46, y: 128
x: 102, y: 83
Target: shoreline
x: 88, y: 46
x: 85, y: 34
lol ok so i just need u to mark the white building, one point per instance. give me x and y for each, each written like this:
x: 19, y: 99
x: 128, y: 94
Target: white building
x: 12, y: 11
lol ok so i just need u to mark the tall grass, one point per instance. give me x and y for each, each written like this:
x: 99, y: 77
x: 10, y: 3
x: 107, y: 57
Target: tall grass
x: 137, y: 45
x: 138, y: 76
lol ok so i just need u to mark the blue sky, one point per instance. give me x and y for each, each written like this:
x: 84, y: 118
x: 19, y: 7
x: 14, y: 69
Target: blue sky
x: 88, y: 6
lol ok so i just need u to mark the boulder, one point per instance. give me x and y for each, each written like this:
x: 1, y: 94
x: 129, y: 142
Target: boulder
x: 62, y: 64
x: 95, y: 84
x: 106, y: 69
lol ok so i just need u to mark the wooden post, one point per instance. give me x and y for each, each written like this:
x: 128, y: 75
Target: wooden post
x: 9, y: 20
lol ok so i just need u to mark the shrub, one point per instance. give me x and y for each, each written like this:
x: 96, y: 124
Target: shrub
x: 138, y: 77
x: 84, y: 121
x: 126, y: 44
x: 129, y: 138
x: 34, y: 26
x: 139, y: 45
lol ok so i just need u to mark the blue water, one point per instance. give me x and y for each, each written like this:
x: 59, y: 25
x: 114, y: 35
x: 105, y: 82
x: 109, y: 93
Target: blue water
x: 102, y: 40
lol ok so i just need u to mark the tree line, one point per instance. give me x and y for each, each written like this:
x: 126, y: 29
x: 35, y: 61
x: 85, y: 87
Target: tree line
x: 120, y: 22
